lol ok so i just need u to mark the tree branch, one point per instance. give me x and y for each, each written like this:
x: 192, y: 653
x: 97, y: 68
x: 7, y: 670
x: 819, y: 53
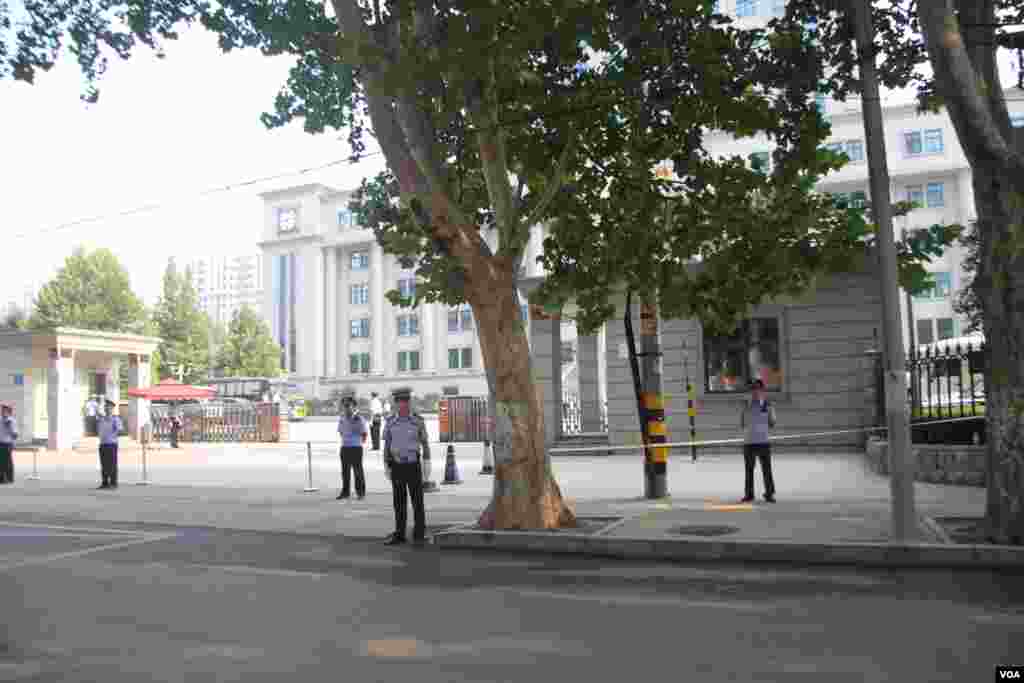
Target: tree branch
x: 964, y: 92
x: 552, y: 187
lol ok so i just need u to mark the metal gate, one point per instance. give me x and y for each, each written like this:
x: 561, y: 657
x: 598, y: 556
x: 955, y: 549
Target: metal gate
x: 253, y: 422
x: 464, y: 419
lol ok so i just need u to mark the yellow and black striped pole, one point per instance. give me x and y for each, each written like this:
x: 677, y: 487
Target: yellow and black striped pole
x: 656, y: 460
x: 691, y: 407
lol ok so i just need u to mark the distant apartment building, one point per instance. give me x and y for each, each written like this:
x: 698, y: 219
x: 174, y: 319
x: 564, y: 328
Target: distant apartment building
x: 326, y: 280
x: 224, y: 284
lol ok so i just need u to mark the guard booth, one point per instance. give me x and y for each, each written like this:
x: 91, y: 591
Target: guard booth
x: 463, y: 419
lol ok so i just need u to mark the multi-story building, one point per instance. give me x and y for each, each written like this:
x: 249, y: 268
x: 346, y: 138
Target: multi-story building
x: 224, y: 284
x: 926, y: 166
x: 326, y: 280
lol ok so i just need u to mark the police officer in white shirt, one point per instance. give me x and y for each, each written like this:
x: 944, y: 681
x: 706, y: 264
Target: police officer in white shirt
x: 8, y: 437
x: 109, y: 427
x: 757, y: 418
x: 406, y: 452
x: 352, y: 429
x: 377, y: 416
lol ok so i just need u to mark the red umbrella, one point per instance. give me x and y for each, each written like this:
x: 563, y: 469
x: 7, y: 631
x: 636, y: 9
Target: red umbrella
x: 173, y: 390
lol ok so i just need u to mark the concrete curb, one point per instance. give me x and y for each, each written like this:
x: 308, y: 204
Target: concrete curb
x: 917, y: 555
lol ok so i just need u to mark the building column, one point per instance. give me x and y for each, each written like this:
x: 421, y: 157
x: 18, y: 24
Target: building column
x: 428, y: 340
x: 965, y: 198
x: 587, y: 369
x: 60, y: 404
x: 377, y: 361
x: 331, y: 313
x: 546, y: 343
x: 138, y: 408
x: 341, y: 312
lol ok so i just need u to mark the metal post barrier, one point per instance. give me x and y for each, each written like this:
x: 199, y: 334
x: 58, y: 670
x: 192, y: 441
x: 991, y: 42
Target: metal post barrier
x: 309, y: 469
x: 145, y: 475
x: 35, y: 465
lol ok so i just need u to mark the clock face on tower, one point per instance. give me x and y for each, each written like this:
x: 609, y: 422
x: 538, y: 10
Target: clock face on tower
x: 287, y: 220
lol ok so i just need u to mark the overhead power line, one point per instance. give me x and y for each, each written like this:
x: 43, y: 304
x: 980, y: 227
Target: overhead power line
x: 145, y: 208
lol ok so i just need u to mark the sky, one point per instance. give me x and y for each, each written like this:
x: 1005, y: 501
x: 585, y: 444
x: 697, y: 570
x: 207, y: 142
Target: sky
x: 162, y: 132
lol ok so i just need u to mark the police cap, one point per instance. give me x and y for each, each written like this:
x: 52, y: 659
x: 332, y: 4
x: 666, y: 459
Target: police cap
x: 110, y: 403
x: 402, y: 393
x: 348, y: 395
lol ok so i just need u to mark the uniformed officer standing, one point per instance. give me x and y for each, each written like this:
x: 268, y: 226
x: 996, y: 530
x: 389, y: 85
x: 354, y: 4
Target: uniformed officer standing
x: 8, y: 437
x: 406, y: 451
x: 109, y: 427
x: 353, y: 431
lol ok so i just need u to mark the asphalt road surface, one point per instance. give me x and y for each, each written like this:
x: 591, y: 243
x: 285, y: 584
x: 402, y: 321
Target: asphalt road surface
x: 123, y: 602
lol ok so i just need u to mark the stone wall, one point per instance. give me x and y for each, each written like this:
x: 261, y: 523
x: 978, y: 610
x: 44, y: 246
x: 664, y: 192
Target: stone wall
x: 936, y: 464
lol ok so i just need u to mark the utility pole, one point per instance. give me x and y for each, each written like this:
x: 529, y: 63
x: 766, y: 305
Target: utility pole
x: 911, y: 339
x: 902, y: 465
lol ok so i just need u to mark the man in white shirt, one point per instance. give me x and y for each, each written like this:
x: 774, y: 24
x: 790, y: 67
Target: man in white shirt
x: 109, y: 427
x: 92, y: 410
x: 377, y: 413
x: 8, y: 437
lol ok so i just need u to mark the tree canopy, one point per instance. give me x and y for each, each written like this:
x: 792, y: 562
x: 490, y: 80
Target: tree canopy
x: 248, y: 349
x: 183, y: 328
x: 90, y: 291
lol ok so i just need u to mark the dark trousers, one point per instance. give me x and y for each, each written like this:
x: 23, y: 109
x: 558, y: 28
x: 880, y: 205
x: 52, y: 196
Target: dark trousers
x: 375, y: 432
x: 407, y: 479
x: 352, y: 461
x: 90, y: 425
x: 6, y: 463
x: 762, y: 452
x: 108, y: 463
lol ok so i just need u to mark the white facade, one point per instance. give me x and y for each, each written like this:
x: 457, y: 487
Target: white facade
x: 324, y: 298
x: 226, y: 283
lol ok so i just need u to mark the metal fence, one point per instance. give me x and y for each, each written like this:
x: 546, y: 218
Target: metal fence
x: 253, y: 422
x: 572, y: 416
x: 942, y: 384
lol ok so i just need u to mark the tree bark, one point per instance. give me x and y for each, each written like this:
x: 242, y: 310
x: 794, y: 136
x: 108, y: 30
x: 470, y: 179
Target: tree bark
x: 967, y: 77
x: 526, y: 495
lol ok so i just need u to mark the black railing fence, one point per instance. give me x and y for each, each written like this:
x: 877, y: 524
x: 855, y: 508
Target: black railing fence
x: 942, y: 384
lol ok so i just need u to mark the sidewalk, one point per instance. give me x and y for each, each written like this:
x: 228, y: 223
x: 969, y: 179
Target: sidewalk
x: 832, y: 508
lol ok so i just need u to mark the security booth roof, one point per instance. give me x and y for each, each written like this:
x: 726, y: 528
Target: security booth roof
x: 173, y: 390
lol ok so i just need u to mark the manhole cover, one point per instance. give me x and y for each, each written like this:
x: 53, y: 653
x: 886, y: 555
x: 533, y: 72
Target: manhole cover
x: 704, y: 530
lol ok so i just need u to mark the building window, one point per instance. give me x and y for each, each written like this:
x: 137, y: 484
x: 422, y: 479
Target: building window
x: 945, y: 328
x: 858, y: 200
x: 287, y: 220
x: 760, y: 161
x: 361, y: 328
x: 359, y: 295
x: 1017, y: 120
x: 820, y: 102
x: 407, y: 288
x: 460, y: 319
x: 359, y: 363
x: 746, y: 8
x: 918, y: 143
x: 751, y: 352
x: 460, y: 359
x: 924, y: 331
x: 345, y: 219
x: 408, y: 325
x: 408, y: 361
x: 360, y: 260
x: 936, y: 195
x: 915, y: 195
x: 778, y: 8
x: 933, y: 141
x: 855, y: 150
x: 942, y: 288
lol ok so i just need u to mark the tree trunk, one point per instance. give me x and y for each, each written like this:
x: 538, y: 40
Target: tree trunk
x: 1000, y: 279
x: 526, y: 495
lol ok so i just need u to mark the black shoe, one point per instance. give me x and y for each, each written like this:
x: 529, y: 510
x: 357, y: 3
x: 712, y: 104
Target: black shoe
x: 112, y: 486
x: 342, y: 496
x: 747, y: 499
x: 361, y: 496
x: 419, y: 538
x: 104, y: 485
x: 770, y: 499
x: 395, y: 539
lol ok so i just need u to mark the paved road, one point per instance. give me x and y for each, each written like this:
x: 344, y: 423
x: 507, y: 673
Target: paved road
x: 126, y: 602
